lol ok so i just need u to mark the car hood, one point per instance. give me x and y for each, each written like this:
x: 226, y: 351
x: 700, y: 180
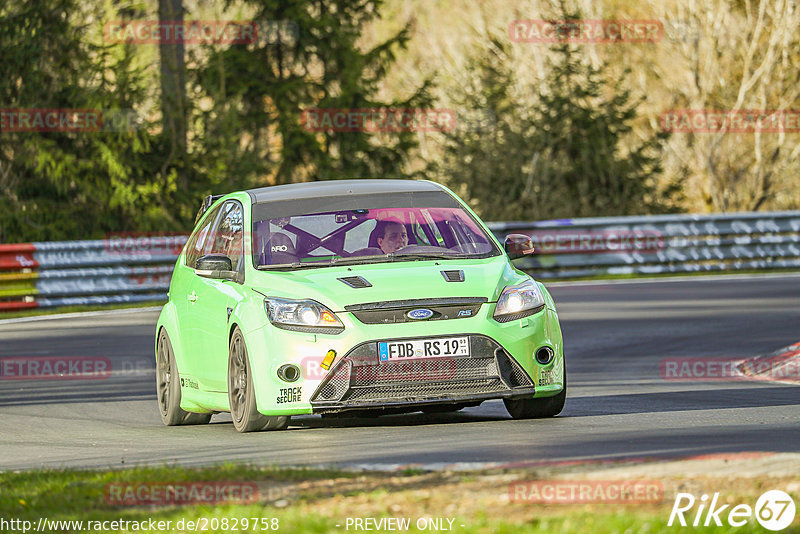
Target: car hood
x: 400, y: 280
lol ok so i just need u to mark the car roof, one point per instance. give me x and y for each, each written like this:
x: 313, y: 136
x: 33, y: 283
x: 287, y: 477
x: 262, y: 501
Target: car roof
x: 364, y: 186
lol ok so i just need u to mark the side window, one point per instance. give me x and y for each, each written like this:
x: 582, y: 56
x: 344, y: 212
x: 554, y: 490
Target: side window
x: 197, y: 242
x: 228, y: 235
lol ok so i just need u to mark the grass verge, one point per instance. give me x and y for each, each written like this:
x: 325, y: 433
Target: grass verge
x: 324, y: 500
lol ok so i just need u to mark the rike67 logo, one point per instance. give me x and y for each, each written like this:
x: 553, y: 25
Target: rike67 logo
x: 774, y: 510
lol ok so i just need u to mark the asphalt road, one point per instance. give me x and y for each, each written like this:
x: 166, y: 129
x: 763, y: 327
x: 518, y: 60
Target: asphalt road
x: 619, y: 406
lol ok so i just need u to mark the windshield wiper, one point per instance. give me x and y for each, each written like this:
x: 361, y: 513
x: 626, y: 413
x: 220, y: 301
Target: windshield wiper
x: 353, y: 260
x: 428, y: 256
x: 333, y: 261
x: 289, y: 266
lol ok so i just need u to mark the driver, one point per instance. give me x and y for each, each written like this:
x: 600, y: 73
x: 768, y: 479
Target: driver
x: 392, y: 235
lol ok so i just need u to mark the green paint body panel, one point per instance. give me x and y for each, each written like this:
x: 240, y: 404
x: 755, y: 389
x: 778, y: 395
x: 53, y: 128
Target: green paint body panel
x: 200, y: 330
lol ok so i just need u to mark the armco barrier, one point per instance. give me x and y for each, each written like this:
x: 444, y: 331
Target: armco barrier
x: 570, y: 248
x: 76, y: 273
x: 71, y: 273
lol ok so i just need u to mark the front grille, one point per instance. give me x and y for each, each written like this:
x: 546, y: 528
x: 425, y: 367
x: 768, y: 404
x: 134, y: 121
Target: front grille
x: 359, y: 378
x: 337, y: 383
x: 396, y: 311
x: 430, y: 369
x: 429, y: 391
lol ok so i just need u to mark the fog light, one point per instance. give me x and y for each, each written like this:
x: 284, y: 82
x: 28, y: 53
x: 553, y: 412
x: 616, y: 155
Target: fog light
x: 544, y: 355
x: 328, y: 359
x: 288, y: 372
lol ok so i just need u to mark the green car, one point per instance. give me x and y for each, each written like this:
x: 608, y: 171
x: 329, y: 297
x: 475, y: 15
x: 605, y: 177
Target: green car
x: 352, y: 297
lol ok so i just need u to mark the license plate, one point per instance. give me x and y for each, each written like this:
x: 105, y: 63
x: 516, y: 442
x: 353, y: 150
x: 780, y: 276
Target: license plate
x: 413, y: 349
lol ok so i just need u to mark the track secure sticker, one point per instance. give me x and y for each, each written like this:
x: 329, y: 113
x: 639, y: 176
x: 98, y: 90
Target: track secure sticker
x: 289, y: 395
x: 189, y: 383
x: 546, y: 377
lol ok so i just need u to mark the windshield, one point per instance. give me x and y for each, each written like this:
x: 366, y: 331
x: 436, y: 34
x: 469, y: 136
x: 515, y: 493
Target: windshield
x: 367, y: 235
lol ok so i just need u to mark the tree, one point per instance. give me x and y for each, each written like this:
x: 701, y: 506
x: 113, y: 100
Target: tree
x: 308, y: 57
x: 567, y: 153
x: 174, y: 104
x: 583, y: 126
x: 69, y: 184
x: 734, y: 56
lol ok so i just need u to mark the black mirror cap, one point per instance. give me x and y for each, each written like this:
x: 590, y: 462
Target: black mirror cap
x: 217, y: 266
x: 214, y: 262
x: 518, y: 245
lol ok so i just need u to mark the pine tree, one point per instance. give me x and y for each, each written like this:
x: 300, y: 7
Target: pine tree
x: 75, y: 184
x: 583, y: 127
x: 567, y: 152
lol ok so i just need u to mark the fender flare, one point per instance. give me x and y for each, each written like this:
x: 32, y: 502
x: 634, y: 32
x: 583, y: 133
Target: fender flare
x: 245, y: 317
x: 168, y: 318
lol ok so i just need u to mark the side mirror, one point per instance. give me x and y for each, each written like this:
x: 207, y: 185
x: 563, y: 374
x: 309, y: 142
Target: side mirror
x: 216, y: 266
x: 518, y: 245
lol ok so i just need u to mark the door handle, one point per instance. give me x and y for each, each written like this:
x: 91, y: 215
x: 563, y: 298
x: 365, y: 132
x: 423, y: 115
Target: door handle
x: 192, y: 297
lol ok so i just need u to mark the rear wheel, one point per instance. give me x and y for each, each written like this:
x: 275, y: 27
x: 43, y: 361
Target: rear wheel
x: 168, y: 388
x: 242, y: 395
x: 538, y: 408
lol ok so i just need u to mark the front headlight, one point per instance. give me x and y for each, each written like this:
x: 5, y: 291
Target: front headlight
x: 518, y: 301
x: 302, y: 316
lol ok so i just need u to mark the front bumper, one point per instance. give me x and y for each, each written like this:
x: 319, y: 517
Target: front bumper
x: 359, y: 380
x: 478, y: 378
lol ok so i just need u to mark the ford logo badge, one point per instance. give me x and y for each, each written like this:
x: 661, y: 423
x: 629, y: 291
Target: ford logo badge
x: 419, y: 314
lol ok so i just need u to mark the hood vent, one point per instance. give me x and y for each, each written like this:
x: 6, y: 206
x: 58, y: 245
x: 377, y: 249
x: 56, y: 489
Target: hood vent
x: 453, y: 276
x: 356, y: 282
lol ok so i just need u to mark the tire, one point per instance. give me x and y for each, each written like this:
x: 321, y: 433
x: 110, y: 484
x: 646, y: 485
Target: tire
x: 168, y: 388
x: 538, y: 408
x: 241, y: 393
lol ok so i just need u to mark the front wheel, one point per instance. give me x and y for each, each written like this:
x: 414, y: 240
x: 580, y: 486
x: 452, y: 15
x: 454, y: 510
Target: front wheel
x: 538, y: 408
x: 168, y: 388
x: 242, y: 395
